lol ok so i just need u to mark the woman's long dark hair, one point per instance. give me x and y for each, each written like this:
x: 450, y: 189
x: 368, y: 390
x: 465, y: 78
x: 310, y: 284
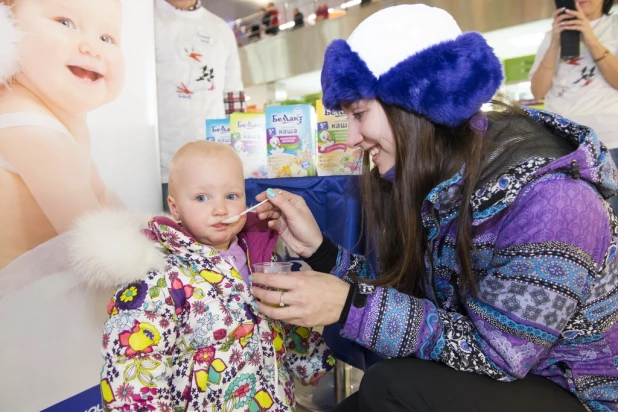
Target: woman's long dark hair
x: 607, y: 6
x: 427, y: 154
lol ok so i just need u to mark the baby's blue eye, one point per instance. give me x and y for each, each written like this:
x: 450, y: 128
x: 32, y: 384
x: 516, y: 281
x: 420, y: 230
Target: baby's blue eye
x: 108, y: 39
x: 232, y: 196
x: 66, y: 22
x: 201, y: 198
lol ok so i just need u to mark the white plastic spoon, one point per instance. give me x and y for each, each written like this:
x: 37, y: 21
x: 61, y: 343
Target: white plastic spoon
x: 234, y: 219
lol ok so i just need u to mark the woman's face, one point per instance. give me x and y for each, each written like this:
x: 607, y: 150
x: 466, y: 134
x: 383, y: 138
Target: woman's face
x: 368, y: 128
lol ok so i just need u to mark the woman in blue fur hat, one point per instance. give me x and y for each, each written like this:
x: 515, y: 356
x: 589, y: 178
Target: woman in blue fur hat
x: 496, y: 286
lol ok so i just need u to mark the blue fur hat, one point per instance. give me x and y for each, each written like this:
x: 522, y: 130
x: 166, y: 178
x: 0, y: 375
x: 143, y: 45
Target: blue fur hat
x: 414, y: 57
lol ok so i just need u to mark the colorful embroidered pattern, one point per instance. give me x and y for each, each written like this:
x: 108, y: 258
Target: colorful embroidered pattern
x: 545, y: 256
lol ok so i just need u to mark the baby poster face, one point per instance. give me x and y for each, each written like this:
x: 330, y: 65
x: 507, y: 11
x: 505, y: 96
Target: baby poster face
x: 70, y: 55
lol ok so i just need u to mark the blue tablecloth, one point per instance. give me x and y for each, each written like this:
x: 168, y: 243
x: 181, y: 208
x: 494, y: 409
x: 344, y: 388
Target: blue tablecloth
x: 335, y: 203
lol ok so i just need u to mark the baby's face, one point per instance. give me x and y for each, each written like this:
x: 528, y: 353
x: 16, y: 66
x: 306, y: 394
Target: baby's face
x: 70, y: 54
x: 208, y: 190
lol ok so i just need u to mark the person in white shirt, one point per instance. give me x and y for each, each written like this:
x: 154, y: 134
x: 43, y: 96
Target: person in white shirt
x: 583, y: 89
x: 198, y: 74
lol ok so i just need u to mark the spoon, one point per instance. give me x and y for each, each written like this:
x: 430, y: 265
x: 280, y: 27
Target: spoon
x: 234, y: 219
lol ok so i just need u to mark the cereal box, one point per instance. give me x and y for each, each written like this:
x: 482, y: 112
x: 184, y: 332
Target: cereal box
x: 290, y: 137
x: 247, y: 136
x: 333, y: 156
x: 218, y: 130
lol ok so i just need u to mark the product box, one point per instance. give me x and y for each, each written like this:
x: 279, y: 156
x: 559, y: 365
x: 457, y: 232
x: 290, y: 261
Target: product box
x: 290, y: 137
x: 248, y: 133
x: 333, y: 156
x: 218, y: 130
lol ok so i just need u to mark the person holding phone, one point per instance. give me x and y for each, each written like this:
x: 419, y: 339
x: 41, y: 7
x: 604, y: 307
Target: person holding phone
x: 583, y: 88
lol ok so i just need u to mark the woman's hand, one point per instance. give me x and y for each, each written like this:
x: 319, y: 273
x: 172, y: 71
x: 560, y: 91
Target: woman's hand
x: 292, y: 219
x: 559, y: 16
x: 310, y: 298
x: 579, y: 22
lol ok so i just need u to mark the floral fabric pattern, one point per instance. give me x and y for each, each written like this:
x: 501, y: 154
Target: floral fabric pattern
x: 188, y: 339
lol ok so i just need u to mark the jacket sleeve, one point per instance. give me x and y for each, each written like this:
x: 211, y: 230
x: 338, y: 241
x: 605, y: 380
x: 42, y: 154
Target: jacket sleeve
x: 137, y: 347
x: 548, y: 252
x: 307, y: 355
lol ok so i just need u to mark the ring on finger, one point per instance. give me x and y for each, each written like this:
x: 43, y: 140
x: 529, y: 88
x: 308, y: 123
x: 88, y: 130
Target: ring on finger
x: 281, y: 304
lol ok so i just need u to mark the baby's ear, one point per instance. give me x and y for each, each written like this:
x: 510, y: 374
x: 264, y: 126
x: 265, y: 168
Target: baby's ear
x: 9, y: 38
x: 173, y: 208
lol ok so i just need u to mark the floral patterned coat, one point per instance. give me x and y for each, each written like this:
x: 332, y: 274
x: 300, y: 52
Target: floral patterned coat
x: 183, y: 334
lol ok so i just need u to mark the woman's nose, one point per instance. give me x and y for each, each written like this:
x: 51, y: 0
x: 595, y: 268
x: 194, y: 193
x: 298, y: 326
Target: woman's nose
x: 354, y: 136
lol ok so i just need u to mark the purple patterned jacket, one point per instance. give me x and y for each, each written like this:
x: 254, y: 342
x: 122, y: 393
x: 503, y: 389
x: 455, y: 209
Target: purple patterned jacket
x: 545, y: 258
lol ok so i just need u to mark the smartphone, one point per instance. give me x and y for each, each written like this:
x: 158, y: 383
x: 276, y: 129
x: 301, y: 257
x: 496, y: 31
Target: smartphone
x: 569, y: 39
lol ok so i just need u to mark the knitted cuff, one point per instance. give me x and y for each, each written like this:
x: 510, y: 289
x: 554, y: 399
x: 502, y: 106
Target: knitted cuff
x: 325, y: 257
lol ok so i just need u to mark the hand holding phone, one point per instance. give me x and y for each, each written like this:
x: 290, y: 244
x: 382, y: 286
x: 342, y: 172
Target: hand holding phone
x: 569, y: 39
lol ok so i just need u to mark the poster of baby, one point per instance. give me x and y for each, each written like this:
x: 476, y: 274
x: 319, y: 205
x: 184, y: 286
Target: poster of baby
x: 77, y: 133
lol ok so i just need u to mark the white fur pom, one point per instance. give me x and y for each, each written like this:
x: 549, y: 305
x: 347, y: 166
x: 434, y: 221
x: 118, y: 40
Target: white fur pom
x: 9, y: 37
x: 108, y: 249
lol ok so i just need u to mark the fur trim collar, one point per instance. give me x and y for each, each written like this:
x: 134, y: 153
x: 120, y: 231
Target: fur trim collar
x: 109, y: 249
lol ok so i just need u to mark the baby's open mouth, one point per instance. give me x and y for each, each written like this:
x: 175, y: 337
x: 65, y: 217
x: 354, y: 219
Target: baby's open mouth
x: 85, y: 74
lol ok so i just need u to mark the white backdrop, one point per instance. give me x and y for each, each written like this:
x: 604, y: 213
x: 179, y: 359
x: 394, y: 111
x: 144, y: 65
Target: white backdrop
x: 52, y: 327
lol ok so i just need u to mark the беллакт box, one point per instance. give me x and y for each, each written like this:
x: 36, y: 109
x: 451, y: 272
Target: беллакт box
x: 248, y: 133
x: 290, y: 134
x: 218, y: 130
x: 333, y: 156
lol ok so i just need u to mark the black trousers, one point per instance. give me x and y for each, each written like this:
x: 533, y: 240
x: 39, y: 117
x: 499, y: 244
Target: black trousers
x: 412, y: 384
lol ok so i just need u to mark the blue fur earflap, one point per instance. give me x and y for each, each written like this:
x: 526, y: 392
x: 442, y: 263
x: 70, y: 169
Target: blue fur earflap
x: 345, y: 76
x: 447, y: 83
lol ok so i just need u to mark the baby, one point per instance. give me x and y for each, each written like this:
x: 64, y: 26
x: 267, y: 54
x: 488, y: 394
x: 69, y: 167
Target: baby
x: 183, y: 330
x: 70, y: 63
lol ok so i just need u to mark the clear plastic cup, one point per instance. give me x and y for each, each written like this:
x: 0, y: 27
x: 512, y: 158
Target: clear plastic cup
x: 273, y: 267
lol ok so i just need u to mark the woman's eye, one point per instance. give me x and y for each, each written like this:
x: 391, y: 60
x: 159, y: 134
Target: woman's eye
x: 66, y: 22
x: 201, y: 198
x: 108, y: 39
x: 358, y: 115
